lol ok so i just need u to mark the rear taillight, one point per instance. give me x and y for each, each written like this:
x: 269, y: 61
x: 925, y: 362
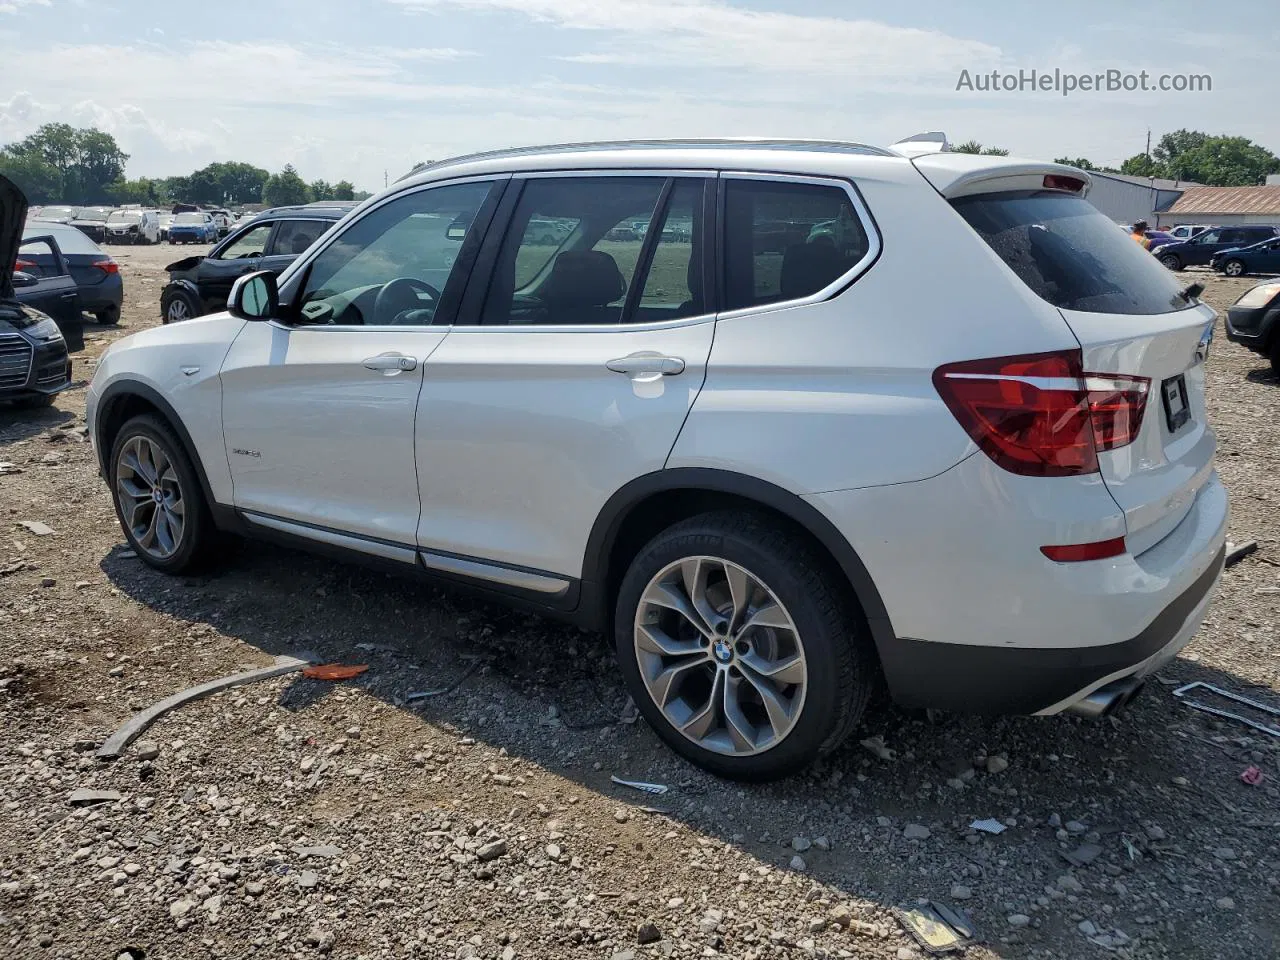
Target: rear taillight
x: 1040, y: 414
x: 24, y: 265
x: 107, y: 266
x: 1057, y: 181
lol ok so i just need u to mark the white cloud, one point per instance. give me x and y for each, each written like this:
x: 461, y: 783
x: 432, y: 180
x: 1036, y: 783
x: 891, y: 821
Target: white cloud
x: 709, y: 33
x: 13, y: 6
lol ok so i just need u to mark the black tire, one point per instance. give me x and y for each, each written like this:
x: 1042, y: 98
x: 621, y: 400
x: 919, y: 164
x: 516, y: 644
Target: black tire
x: 1172, y: 261
x: 1274, y: 355
x: 173, y: 303
x: 108, y: 316
x: 1234, y: 268
x: 843, y: 672
x: 200, y: 538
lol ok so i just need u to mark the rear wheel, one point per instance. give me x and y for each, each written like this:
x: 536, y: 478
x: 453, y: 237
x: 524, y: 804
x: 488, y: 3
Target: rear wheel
x: 157, y: 497
x: 1274, y: 355
x: 1234, y: 268
x: 739, y: 647
x: 1172, y: 261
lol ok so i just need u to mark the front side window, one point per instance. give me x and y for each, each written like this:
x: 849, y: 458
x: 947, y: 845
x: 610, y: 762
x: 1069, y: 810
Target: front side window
x: 37, y: 258
x: 249, y: 244
x: 787, y: 241
x: 392, y: 265
x: 294, y: 236
x: 598, y: 251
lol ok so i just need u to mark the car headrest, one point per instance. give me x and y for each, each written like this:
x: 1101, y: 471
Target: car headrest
x: 583, y: 278
x: 808, y: 267
x: 300, y: 242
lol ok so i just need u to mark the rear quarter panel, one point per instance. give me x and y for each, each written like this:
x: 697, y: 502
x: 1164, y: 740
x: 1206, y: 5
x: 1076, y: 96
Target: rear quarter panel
x: 839, y: 395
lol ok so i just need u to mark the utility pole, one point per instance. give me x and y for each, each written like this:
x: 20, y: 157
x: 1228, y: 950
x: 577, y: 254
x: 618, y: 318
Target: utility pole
x: 1148, y: 141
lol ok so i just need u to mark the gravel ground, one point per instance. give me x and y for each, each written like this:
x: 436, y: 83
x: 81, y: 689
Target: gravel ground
x: 298, y: 818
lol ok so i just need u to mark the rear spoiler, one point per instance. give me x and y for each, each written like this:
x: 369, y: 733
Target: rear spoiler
x: 960, y: 174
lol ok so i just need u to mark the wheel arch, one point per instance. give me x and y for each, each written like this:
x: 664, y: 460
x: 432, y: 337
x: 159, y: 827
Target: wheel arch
x: 652, y: 502
x: 125, y: 399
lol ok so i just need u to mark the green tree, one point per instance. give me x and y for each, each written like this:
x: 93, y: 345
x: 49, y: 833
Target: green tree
x: 285, y: 188
x: 973, y: 146
x: 85, y: 162
x: 344, y: 190
x: 38, y: 179
x: 1141, y: 165
x: 1081, y: 162
x: 321, y: 190
x: 1223, y: 162
x: 144, y: 190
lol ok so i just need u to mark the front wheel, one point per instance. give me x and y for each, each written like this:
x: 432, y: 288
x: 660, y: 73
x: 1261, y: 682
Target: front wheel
x: 740, y: 648
x: 157, y: 497
x: 177, y: 306
x: 1172, y: 261
x: 1234, y: 268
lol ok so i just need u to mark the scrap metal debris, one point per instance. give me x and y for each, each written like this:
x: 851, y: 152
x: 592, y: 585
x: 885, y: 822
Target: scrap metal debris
x: 334, y: 672
x: 120, y: 740
x: 84, y: 797
x: 876, y: 745
x: 658, y: 789
x: 937, y: 927
x: 1181, y: 692
x: 1252, y: 776
x: 36, y: 527
x: 990, y: 825
x: 441, y: 691
x: 1238, y: 553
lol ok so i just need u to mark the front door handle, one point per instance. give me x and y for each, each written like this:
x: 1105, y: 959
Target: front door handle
x: 389, y: 364
x: 647, y: 365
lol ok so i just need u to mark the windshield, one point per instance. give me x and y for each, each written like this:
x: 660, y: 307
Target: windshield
x: 189, y: 218
x: 93, y: 214
x: 57, y: 213
x: 1069, y: 254
x: 124, y: 216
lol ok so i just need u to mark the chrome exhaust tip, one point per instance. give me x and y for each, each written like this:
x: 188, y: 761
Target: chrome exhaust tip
x: 1106, y: 700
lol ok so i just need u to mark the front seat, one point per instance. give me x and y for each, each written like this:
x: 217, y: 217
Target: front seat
x: 580, y: 287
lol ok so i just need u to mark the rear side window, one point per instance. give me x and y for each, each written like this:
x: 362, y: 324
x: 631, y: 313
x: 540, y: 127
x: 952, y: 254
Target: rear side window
x: 69, y: 241
x: 1070, y: 254
x: 786, y: 241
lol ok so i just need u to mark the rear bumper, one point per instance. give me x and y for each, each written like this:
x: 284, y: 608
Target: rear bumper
x: 1023, y: 680
x: 983, y: 623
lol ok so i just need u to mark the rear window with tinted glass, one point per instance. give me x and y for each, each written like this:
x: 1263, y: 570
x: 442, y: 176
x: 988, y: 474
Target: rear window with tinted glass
x: 70, y: 240
x: 1070, y: 254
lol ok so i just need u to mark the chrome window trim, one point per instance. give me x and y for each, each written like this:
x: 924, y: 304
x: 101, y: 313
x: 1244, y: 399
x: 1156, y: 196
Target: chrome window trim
x: 874, y: 244
x: 515, y: 577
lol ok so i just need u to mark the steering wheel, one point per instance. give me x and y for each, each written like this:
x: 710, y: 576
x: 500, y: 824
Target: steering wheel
x: 400, y: 295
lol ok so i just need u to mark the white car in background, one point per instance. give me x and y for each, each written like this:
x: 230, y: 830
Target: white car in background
x: 749, y: 441
x: 133, y: 226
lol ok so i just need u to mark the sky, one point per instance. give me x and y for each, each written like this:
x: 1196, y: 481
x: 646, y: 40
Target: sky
x: 362, y: 89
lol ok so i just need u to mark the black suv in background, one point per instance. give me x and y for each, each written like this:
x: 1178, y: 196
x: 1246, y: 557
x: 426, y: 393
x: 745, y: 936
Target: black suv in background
x: 270, y: 241
x: 1200, y: 249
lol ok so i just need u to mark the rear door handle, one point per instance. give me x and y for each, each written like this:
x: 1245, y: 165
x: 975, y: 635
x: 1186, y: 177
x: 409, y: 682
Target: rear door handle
x: 389, y: 364
x: 647, y: 364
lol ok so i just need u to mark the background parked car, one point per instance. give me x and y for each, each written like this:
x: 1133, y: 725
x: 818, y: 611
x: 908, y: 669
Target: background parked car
x: 1253, y: 321
x: 92, y: 222
x: 33, y: 354
x: 165, y: 220
x: 193, y: 227
x: 133, y: 226
x: 270, y: 241
x: 222, y: 219
x: 55, y: 214
x: 1261, y: 257
x: 1199, y: 250
x: 96, y: 274
x: 1185, y: 231
x: 1158, y: 238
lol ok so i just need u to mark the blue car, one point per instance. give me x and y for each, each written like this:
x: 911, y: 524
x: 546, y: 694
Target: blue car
x: 1262, y: 257
x: 193, y: 228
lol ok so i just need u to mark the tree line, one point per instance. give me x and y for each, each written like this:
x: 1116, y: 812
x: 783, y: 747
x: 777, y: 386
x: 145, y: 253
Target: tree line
x: 82, y: 166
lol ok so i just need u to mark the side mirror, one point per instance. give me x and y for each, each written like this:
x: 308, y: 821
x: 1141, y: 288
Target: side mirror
x: 255, y: 296
x: 23, y: 279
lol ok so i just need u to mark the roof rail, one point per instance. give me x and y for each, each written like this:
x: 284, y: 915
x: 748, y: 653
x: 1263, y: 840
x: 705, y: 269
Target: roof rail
x: 920, y: 144
x: 708, y: 142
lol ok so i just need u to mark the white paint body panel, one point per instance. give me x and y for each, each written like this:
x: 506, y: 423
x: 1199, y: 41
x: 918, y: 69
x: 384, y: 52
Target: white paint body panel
x: 328, y: 442
x: 523, y: 435
x: 157, y: 358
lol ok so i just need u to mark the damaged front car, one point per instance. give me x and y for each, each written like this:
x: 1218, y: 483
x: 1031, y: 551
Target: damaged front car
x: 34, y: 365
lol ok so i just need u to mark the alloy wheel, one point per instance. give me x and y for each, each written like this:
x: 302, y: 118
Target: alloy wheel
x: 177, y: 311
x: 1234, y: 268
x: 720, y: 656
x: 150, y: 497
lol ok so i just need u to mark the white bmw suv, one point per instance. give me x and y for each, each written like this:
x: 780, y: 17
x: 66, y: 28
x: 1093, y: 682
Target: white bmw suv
x: 791, y: 420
